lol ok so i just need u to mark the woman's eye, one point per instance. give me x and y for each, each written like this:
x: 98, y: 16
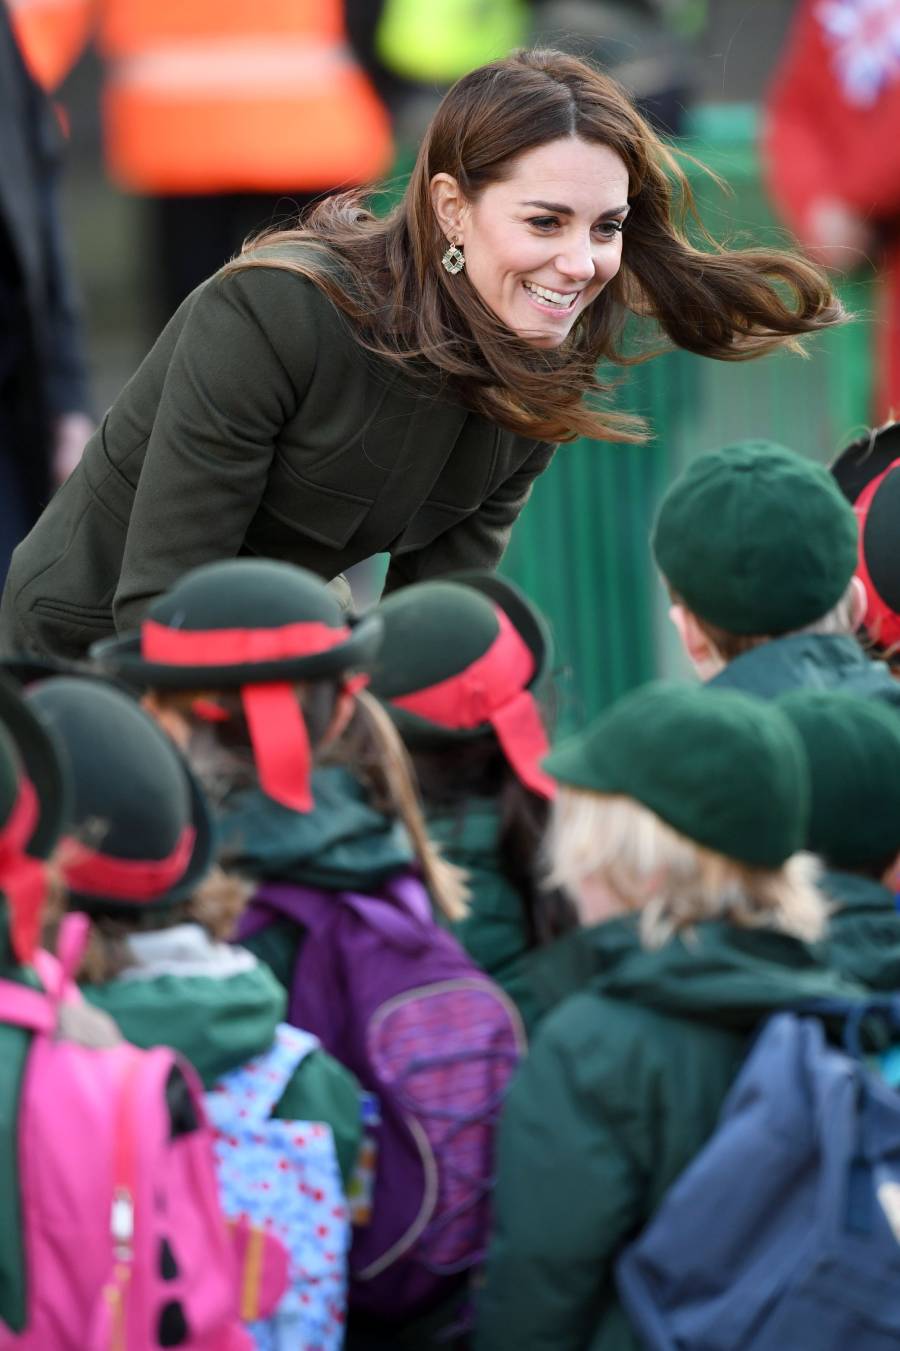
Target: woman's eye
x: 608, y: 229
x: 544, y: 222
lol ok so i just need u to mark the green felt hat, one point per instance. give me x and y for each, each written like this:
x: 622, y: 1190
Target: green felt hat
x: 723, y: 768
x: 141, y: 830
x: 258, y: 626
x: 755, y: 539
x: 868, y: 473
x: 35, y: 800
x: 237, y: 622
x: 463, y: 658
x: 853, y: 748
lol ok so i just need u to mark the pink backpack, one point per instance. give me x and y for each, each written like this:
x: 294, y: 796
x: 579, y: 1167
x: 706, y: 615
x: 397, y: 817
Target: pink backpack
x: 125, y: 1245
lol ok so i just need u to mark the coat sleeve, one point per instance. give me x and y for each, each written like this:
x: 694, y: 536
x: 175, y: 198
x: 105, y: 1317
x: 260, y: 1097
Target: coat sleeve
x: 480, y: 540
x: 238, y: 372
x: 568, y: 1193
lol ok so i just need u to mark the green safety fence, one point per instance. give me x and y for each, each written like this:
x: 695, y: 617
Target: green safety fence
x: 580, y: 548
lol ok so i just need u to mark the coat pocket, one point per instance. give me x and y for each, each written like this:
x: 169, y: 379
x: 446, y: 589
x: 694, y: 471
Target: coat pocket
x: 327, y: 515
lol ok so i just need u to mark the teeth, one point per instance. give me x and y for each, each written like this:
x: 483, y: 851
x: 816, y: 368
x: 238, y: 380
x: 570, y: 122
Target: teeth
x: 555, y: 297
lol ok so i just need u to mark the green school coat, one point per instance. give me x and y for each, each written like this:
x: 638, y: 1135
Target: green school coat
x: 622, y: 1087
x: 258, y: 425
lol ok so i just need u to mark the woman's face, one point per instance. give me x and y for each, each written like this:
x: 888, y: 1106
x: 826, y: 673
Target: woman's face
x: 541, y: 244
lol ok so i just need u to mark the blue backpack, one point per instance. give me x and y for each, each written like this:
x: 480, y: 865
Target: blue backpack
x: 783, y: 1234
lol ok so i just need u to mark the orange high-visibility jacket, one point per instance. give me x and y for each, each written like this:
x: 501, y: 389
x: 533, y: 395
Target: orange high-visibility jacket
x: 206, y: 96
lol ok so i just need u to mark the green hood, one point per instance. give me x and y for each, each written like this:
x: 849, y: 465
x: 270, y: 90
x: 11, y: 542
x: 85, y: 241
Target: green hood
x: 864, y: 932
x: 342, y: 844
x: 217, y: 1019
x: 717, y: 973
x: 809, y: 661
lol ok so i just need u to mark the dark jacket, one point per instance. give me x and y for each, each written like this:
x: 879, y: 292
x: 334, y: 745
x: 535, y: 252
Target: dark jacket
x: 494, y: 933
x: 622, y: 1087
x: 809, y: 661
x: 42, y: 366
x: 864, y: 931
x: 258, y: 425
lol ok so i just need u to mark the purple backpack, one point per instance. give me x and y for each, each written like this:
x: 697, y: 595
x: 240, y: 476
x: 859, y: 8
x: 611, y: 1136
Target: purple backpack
x: 395, y: 998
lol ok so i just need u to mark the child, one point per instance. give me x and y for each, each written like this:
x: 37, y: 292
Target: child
x: 853, y: 748
x: 460, y: 669
x: 679, y: 815
x: 33, y: 810
x: 758, y: 547
x: 868, y: 474
x: 140, y: 866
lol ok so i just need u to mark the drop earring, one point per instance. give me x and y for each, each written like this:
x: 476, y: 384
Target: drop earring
x: 454, y: 260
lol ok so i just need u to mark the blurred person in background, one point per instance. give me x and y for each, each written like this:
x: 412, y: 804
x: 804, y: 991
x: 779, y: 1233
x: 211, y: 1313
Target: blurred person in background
x: 43, y: 380
x: 226, y: 118
x: 831, y: 150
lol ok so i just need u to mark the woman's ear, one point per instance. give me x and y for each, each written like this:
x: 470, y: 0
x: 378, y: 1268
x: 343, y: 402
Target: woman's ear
x: 175, y: 724
x: 449, y: 206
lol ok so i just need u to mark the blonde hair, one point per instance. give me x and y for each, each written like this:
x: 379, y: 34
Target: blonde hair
x: 645, y: 865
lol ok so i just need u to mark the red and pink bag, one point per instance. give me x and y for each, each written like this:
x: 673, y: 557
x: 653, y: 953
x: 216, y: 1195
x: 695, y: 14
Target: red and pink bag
x: 126, y: 1248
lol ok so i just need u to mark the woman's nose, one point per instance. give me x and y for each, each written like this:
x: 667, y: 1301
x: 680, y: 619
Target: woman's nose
x: 577, y: 261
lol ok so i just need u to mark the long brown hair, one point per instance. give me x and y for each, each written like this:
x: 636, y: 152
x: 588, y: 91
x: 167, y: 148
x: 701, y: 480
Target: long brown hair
x: 385, y: 274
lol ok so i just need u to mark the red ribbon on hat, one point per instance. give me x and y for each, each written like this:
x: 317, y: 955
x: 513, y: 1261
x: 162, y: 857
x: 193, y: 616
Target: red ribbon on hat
x: 97, y: 874
x: 493, y: 690
x: 275, y: 720
x: 23, y: 878
x: 882, y: 622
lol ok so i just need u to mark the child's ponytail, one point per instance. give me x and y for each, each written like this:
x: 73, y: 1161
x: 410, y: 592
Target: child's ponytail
x: 373, y: 749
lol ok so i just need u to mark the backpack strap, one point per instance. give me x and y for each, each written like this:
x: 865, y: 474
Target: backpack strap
x: 25, y: 1007
x: 271, y: 1071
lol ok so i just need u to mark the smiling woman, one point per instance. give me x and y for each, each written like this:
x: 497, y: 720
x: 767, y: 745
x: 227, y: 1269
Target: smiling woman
x: 357, y: 385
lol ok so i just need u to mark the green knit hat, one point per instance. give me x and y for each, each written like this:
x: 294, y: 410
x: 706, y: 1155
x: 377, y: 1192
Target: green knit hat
x: 755, y: 539
x: 725, y: 769
x: 256, y: 626
x: 153, y: 841
x: 853, y: 748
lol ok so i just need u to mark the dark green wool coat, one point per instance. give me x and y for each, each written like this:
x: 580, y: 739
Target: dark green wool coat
x: 258, y: 425
x: 623, y: 1085
x: 809, y: 661
x: 864, y: 930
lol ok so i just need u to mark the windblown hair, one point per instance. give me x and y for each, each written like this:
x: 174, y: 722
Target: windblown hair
x: 221, y: 756
x: 451, y: 776
x: 385, y: 274
x: 644, y: 865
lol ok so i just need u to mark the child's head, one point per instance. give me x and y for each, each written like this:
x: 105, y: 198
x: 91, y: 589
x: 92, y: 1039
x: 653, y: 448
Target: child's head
x: 853, y: 749
x: 140, y: 837
x: 868, y: 473
x: 460, y: 672
x: 686, y: 805
x: 253, y: 668
x: 261, y: 654
x: 754, y: 543
x: 35, y: 802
